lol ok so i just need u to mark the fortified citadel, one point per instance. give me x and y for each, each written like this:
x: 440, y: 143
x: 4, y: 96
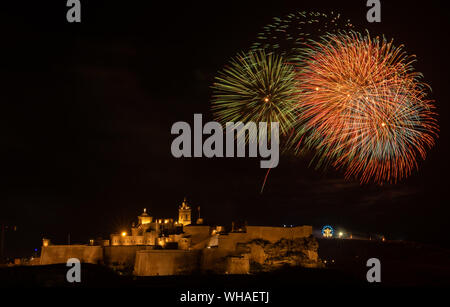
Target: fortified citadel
x: 172, y: 247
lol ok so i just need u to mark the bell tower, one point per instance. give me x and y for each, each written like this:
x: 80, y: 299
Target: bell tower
x: 144, y: 218
x: 184, y: 213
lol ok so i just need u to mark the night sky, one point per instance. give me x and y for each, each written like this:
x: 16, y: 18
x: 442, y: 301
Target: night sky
x: 86, y: 112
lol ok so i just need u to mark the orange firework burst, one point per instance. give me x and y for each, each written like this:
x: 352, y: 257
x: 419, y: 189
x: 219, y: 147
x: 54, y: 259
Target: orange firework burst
x: 364, y: 107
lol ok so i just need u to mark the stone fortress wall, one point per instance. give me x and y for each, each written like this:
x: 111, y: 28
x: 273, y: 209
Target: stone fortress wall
x: 271, y: 234
x: 53, y: 254
x: 168, y: 247
x: 166, y: 262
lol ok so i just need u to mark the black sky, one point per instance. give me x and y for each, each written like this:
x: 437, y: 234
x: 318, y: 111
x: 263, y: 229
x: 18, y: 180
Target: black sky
x: 86, y: 111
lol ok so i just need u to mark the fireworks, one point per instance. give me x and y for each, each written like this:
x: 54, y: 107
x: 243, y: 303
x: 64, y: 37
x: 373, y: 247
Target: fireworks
x: 353, y: 100
x: 364, y: 107
x: 288, y: 36
x: 256, y: 87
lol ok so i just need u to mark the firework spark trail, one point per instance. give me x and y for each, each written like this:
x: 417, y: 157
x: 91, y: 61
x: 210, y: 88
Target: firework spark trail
x: 256, y: 87
x: 364, y: 107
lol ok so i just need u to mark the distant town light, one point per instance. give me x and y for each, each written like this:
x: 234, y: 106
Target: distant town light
x: 124, y: 234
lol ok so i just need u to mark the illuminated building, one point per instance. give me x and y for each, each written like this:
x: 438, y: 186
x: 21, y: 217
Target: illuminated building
x: 165, y: 246
x: 184, y: 213
x: 150, y: 231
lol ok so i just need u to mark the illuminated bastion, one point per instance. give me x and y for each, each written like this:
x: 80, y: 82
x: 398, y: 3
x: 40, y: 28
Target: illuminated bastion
x: 165, y: 246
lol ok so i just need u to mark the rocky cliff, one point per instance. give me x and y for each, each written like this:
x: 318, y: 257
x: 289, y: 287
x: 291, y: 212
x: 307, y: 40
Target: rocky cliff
x: 265, y: 256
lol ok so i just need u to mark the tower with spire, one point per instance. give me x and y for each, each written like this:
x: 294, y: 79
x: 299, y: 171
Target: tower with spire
x: 184, y: 213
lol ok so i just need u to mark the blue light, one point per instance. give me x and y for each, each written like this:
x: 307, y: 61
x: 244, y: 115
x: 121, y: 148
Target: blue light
x: 327, y: 229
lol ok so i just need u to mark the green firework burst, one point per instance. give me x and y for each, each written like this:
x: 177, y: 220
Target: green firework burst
x: 258, y: 87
